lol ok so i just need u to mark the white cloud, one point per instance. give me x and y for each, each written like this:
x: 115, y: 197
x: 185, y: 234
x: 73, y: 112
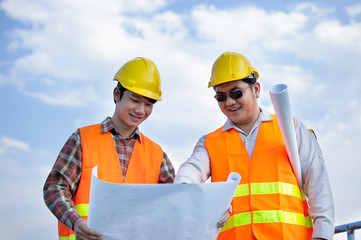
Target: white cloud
x: 245, y: 27
x: 144, y: 5
x: 312, y: 10
x: 354, y: 10
x: 43, y: 10
x: 340, y: 36
x: 72, y: 97
x: 7, y: 143
x: 330, y: 44
x: 80, y: 44
x: 72, y: 42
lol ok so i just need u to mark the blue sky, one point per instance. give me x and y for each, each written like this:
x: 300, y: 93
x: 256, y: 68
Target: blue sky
x: 58, y: 59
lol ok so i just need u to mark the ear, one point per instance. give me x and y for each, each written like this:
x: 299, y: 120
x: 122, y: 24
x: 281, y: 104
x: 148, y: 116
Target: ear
x: 257, y: 89
x: 116, y: 94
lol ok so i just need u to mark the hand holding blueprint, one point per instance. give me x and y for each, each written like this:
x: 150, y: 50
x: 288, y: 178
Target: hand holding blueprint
x: 159, y: 211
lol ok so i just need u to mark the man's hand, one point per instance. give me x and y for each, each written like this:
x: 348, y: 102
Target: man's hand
x: 225, y: 218
x: 82, y: 232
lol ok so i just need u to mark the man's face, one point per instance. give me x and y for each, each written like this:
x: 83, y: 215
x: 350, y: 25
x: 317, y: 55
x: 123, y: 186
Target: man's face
x: 243, y: 110
x: 132, y: 109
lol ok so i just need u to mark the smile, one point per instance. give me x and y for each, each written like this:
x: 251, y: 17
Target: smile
x: 234, y: 109
x: 136, y: 117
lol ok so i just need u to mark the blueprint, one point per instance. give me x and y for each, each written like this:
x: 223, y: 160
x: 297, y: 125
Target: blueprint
x: 159, y: 211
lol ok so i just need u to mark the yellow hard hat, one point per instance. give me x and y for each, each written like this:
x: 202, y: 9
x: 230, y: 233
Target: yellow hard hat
x: 230, y: 66
x: 140, y: 75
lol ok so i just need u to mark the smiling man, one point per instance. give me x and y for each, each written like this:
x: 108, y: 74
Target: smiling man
x: 268, y: 203
x: 121, y: 152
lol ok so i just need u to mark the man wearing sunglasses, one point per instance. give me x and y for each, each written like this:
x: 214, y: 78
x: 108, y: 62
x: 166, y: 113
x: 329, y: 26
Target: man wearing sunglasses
x: 268, y: 203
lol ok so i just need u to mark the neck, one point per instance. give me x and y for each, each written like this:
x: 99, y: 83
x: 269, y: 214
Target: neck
x: 122, y: 129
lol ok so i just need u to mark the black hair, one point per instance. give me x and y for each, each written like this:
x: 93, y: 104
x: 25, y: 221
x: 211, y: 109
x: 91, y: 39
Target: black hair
x: 251, y: 79
x: 123, y: 89
x: 151, y: 100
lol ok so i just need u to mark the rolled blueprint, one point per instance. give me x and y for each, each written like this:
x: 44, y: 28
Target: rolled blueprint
x: 281, y: 105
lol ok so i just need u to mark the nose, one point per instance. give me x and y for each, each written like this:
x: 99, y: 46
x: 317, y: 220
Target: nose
x: 140, y: 109
x: 229, y: 101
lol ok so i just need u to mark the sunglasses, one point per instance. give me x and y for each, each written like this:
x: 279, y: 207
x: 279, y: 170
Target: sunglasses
x: 221, y: 97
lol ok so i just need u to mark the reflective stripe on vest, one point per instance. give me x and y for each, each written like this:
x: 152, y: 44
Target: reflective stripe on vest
x: 270, y: 216
x: 82, y: 209
x: 71, y: 237
x: 270, y: 188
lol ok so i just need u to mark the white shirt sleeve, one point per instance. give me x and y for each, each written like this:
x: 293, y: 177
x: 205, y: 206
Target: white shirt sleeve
x: 197, y: 168
x: 316, y: 184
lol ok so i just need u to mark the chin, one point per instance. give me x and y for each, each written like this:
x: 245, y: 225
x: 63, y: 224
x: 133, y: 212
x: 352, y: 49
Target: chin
x: 236, y: 120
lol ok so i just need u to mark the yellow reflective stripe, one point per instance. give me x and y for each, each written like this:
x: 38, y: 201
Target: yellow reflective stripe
x: 82, y: 209
x: 281, y: 216
x: 71, y: 237
x: 277, y: 187
x: 270, y: 216
x: 239, y: 219
x: 242, y: 190
x: 270, y: 188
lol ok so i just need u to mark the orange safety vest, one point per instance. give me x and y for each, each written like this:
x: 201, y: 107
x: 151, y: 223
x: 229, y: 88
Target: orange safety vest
x: 268, y: 204
x: 98, y: 149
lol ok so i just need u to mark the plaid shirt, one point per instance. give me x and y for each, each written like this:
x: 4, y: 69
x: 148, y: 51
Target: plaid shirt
x: 64, y: 178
